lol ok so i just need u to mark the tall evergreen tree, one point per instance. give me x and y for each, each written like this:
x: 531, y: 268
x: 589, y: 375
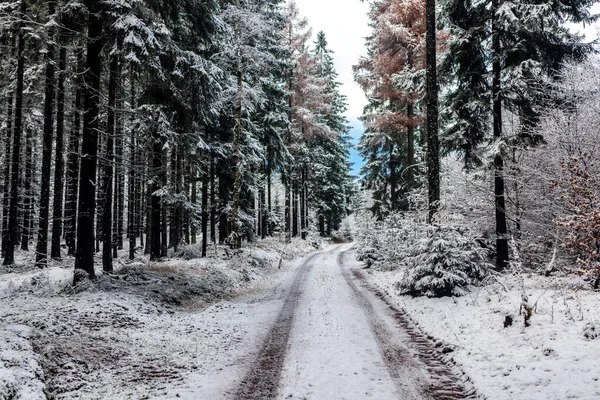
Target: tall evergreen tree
x: 11, y: 239
x: 529, y: 43
x: 84, y: 256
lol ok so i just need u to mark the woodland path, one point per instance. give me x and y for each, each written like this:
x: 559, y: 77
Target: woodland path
x: 335, y: 338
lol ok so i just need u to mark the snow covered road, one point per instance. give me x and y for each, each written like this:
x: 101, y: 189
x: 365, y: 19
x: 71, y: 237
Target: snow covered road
x: 333, y: 338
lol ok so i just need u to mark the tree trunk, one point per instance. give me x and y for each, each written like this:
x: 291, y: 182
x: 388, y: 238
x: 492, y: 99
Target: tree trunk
x: 431, y: 88
x: 393, y: 190
x: 57, y: 212
x: 269, y: 207
x: 322, y: 225
x: 287, y: 212
x: 410, y: 137
x: 9, y: 255
x: 84, y: 257
x: 500, y: 203
x: 295, y: 209
x: 194, y: 197
x: 265, y: 220
x: 132, y: 182
x: 204, y: 214
x: 119, y: 173
x: 73, y: 162
x: 107, y: 215
x: 101, y: 192
x: 223, y: 220
x: 213, y: 200
x: 177, y: 215
x: 27, y: 232
x: 6, y: 181
x: 164, y: 240
x: 237, y: 142
x: 150, y: 209
x: 157, y: 167
x: 302, y: 204
x: 7, y: 154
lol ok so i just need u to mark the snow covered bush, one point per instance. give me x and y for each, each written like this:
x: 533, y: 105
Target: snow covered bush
x: 591, y: 330
x: 444, y: 263
x: 385, y: 244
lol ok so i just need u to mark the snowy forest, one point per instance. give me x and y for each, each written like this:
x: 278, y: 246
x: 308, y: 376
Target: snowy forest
x: 166, y: 122
x: 509, y: 175
x: 181, y: 214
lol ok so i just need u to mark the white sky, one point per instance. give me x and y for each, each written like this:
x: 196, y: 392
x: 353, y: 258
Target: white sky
x: 345, y: 24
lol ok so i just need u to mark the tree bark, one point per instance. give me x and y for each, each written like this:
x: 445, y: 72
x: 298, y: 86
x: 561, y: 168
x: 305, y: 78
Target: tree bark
x: 73, y: 162
x: 107, y: 215
x: 132, y: 182
x: 178, y: 215
x: 269, y: 206
x: 27, y: 231
x: 393, y: 190
x: 84, y: 257
x: 8, y: 136
x: 119, y: 172
x: 204, y: 214
x: 6, y: 181
x: 237, y: 142
x: 431, y: 87
x: 194, y: 199
x: 302, y: 204
x: 57, y: 212
x: 410, y: 137
x: 157, y: 167
x: 287, y: 211
x: 164, y: 240
x: 9, y: 255
x: 502, y: 255
x: 322, y: 225
x: 295, y: 208
x: 263, y: 209
x: 213, y: 200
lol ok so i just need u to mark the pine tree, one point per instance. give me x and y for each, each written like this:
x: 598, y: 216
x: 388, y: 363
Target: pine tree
x: 431, y: 89
x: 41, y: 259
x: 84, y: 257
x: 9, y: 254
x: 392, y: 76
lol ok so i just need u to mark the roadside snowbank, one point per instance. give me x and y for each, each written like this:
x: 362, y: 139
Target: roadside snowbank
x: 553, y: 359
x: 21, y: 376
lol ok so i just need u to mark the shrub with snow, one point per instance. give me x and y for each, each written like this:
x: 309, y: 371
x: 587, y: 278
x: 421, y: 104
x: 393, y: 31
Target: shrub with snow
x: 385, y: 244
x: 591, y: 330
x: 444, y: 263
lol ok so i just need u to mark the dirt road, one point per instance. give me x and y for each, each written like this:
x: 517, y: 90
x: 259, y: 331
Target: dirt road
x: 335, y: 338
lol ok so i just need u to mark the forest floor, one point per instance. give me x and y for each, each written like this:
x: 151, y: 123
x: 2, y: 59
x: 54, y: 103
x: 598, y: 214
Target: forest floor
x: 137, y: 333
x: 273, y: 322
x: 236, y: 327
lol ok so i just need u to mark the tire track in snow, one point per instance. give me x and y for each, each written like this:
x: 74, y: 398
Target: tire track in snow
x: 262, y: 381
x: 444, y: 384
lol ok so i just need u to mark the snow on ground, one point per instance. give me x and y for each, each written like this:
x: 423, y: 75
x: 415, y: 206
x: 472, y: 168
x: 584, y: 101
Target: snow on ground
x: 150, y: 330
x: 21, y: 376
x: 550, y: 360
